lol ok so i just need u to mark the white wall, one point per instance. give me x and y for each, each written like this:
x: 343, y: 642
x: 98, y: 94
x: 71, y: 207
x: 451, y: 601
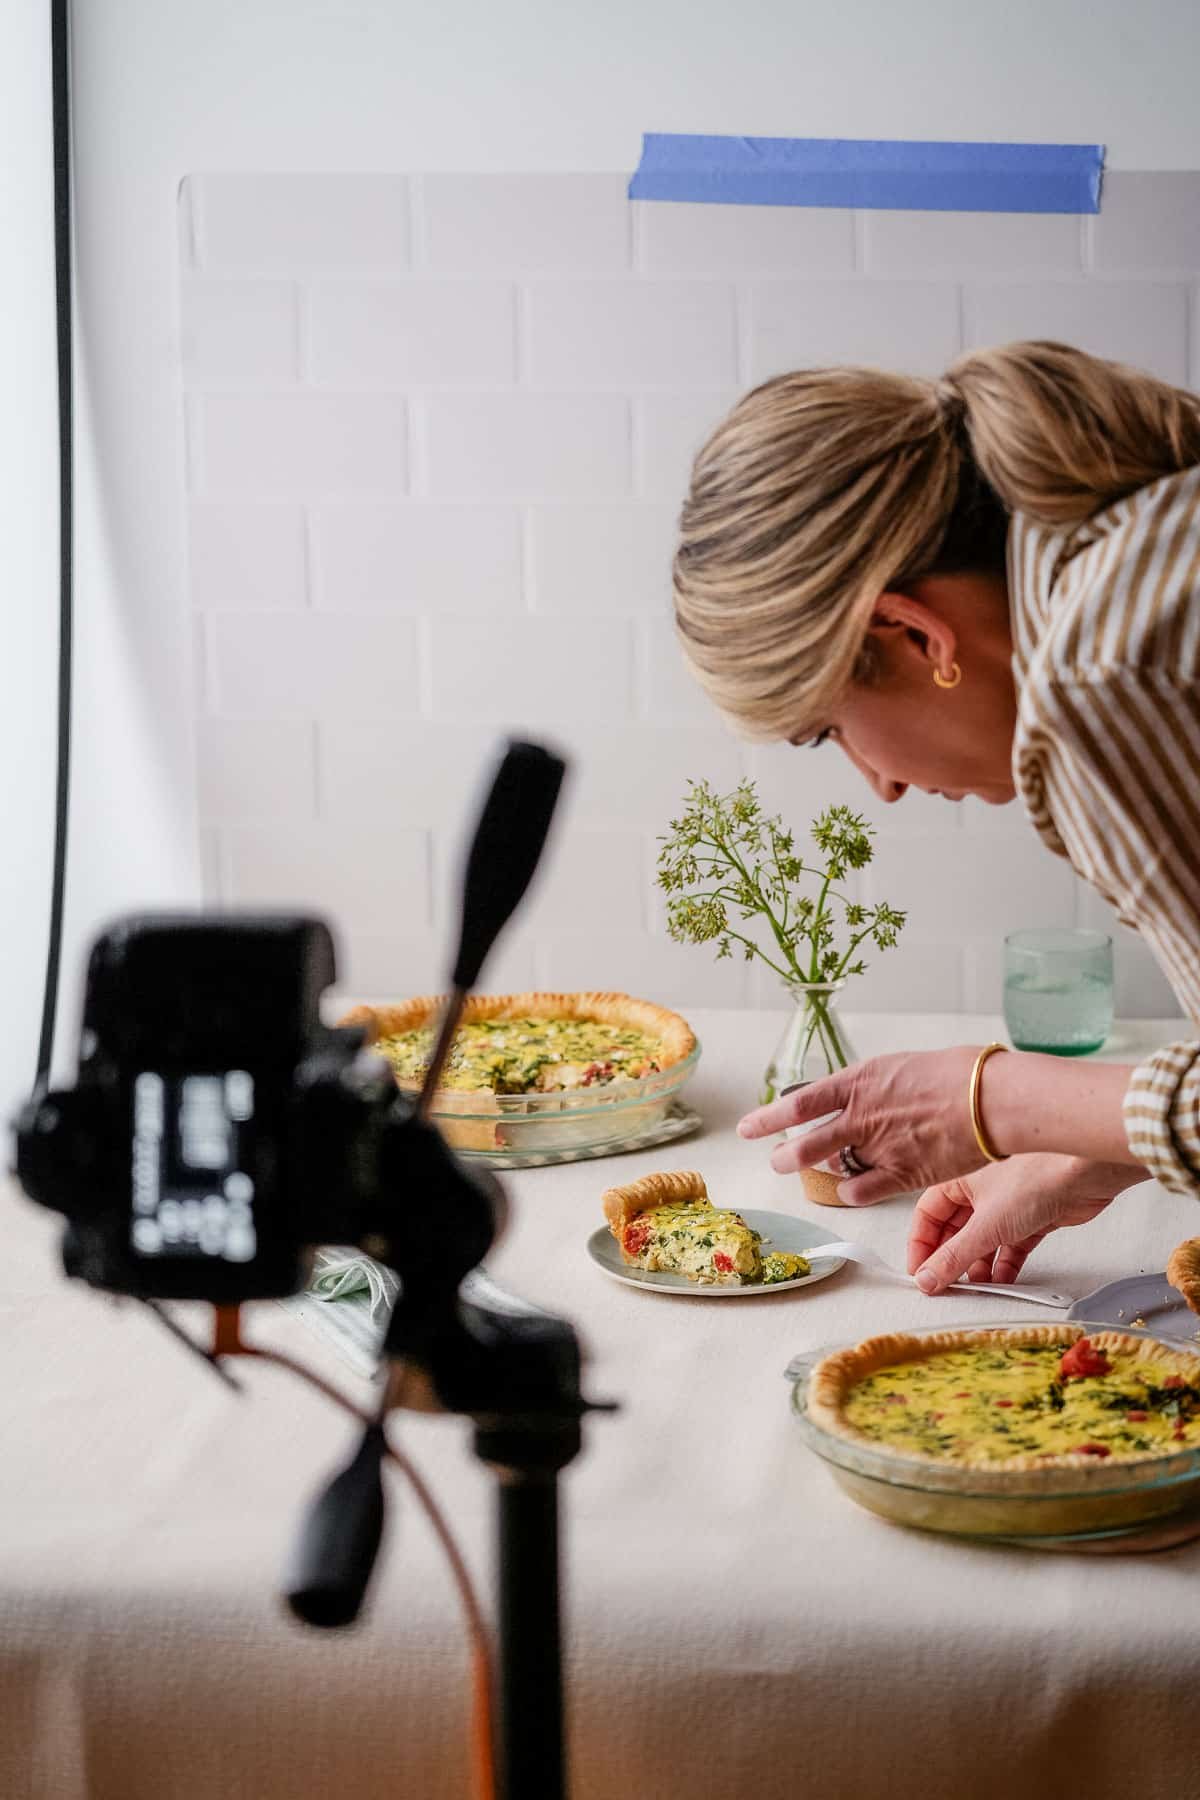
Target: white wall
x: 535, y: 84
x: 168, y: 87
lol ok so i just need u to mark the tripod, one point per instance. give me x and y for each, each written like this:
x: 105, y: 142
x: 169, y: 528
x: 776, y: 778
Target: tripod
x: 515, y: 1372
x: 529, y: 1433
x: 527, y: 1456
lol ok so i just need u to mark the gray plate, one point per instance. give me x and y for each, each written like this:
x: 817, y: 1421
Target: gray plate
x: 1149, y: 1297
x: 779, y: 1230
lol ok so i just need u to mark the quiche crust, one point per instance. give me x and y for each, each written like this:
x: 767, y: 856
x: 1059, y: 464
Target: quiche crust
x: 1183, y: 1271
x: 621, y: 1204
x: 836, y: 1375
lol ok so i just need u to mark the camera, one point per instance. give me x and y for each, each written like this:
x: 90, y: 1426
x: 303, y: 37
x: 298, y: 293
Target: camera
x: 218, y: 1130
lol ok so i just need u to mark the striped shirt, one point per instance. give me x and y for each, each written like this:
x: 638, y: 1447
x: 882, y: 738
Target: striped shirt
x: 1106, y: 757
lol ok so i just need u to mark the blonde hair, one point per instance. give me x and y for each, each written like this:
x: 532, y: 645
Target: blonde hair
x: 825, y: 487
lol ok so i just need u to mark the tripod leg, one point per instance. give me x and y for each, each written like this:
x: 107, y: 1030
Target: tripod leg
x: 531, y: 1698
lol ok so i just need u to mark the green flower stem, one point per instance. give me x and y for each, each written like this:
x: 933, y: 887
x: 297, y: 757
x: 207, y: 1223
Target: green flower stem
x: 783, y: 886
x: 820, y: 1023
x: 764, y: 905
x: 834, y: 1043
x: 814, y: 974
x: 720, y: 893
x: 854, y: 943
x: 754, y: 949
x: 801, y: 868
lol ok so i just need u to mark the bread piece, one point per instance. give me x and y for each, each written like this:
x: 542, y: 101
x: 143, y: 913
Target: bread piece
x: 1183, y: 1271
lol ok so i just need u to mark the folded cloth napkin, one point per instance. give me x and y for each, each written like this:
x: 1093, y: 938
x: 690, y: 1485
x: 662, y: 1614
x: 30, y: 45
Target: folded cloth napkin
x: 342, y: 1273
x: 363, y: 1291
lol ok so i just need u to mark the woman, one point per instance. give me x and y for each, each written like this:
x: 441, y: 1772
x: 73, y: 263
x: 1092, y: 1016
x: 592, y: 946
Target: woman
x: 986, y: 585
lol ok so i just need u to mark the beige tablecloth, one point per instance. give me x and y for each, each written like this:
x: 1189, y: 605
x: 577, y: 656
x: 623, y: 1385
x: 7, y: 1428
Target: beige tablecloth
x: 737, y: 1627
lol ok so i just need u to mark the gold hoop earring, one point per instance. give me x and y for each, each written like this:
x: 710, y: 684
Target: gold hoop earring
x: 948, y: 681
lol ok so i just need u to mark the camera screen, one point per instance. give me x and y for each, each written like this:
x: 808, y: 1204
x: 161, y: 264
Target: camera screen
x: 192, y: 1194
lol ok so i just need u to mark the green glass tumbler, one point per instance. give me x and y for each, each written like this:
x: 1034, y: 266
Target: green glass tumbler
x: 1058, y: 990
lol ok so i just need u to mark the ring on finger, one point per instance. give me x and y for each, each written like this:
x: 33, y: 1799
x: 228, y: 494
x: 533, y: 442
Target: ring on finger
x: 850, y: 1163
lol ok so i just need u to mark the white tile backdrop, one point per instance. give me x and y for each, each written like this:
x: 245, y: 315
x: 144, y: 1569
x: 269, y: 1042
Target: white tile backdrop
x: 438, y: 428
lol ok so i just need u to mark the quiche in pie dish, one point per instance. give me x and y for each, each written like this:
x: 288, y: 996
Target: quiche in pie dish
x: 1012, y: 1400
x: 520, y: 1062
x: 1011, y: 1430
x: 667, y: 1221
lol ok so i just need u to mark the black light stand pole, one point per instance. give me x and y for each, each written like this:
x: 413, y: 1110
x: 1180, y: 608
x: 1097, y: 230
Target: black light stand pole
x: 531, y: 1751
x: 531, y: 1683
x: 526, y: 1452
x: 60, y: 88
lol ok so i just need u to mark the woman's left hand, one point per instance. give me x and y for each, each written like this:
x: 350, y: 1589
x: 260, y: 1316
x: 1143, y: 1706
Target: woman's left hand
x: 905, y: 1117
x: 984, y: 1225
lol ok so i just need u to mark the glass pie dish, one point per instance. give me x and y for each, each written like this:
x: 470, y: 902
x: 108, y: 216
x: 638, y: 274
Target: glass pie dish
x: 488, y: 1127
x: 1107, y: 1498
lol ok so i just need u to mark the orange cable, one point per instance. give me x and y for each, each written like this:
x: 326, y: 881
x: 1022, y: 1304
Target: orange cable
x: 228, y: 1342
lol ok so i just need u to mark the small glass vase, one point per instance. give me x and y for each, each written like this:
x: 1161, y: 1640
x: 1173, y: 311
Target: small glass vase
x: 813, y: 1045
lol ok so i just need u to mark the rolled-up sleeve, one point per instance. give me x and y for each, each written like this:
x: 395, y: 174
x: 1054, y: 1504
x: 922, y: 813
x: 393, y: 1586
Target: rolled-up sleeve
x: 1162, y: 1116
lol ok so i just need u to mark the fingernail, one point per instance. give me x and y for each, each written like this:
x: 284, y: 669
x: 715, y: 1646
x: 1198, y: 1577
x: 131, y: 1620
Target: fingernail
x: 926, y: 1280
x: 778, y: 1162
x: 743, y: 1128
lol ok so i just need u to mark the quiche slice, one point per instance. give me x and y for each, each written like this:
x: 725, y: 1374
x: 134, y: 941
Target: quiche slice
x: 527, y: 1043
x: 1036, y: 1397
x: 667, y: 1221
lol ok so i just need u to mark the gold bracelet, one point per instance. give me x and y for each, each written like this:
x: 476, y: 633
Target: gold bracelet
x: 973, y: 1100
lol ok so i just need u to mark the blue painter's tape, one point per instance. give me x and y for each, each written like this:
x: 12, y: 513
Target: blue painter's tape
x: 887, y: 174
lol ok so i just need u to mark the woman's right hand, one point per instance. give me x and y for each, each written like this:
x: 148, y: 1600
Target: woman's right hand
x: 985, y: 1224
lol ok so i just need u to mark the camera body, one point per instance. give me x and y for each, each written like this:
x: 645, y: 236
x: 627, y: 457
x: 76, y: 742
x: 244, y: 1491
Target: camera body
x: 218, y: 1129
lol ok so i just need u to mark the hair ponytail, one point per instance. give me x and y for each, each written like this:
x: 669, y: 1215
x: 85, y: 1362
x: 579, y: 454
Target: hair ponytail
x: 1060, y: 434
x: 824, y: 487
